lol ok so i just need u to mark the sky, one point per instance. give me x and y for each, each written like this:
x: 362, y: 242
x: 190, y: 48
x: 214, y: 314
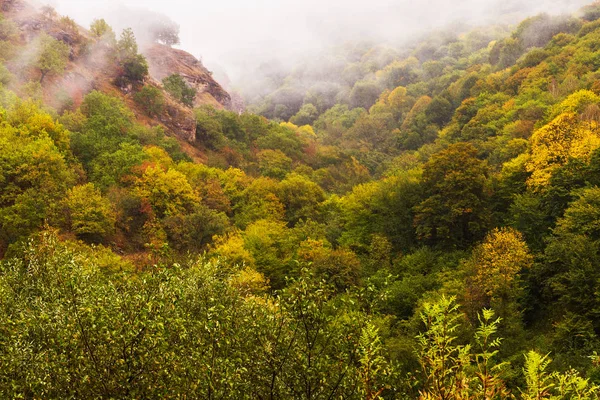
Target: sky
x: 238, y: 34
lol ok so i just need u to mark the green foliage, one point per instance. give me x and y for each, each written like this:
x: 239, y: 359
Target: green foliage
x: 274, y: 164
x: 102, y: 30
x: 374, y: 369
x: 151, y: 100
x: 135, y: 69
x: 53, y: 56
x: 454, y: 210
x: 176, y: 86
x: 5, y: 76
x: 364, y: 94
x: 209, y: 132
x: 134, y: 65
x: 301, y: 198
x: 127, y: 45
x: 443, y: 361
x: 306, y: 115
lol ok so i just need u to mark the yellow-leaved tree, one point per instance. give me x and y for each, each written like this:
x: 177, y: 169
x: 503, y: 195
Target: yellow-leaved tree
x: 566, y: 137
x: 494, y: 276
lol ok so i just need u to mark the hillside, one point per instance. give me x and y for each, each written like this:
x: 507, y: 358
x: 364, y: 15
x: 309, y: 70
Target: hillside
x: 417, y: 222
x: 89, y: 67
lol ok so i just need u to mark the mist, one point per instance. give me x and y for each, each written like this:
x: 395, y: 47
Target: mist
x: 237, y: 36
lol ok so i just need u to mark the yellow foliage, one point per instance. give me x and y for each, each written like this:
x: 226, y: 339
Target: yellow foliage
x: 552, y: 146
x: 311, y: 250
x: 158, y: 156
x: 576, y: 103
x: 250, y: 282
x: 302, y: 131
x: 169, y: 193
x: 31, y: 121
x: 307, y: 130
x: 397, y: 97
x: 498, y: 261
x: 289, y: 125
x: 90, y: 214
x: 230, y: 249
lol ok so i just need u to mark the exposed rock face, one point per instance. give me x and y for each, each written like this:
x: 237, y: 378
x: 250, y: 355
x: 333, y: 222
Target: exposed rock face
x: 92, y: 66
x: 164, y: 61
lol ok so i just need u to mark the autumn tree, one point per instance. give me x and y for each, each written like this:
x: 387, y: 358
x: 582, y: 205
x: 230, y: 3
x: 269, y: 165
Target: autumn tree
x: 90, y: 216
x: 34, y: 171
x: 494, y: 280
x: 168, y: 192
x: 497, y: 264
x: 553, y: 145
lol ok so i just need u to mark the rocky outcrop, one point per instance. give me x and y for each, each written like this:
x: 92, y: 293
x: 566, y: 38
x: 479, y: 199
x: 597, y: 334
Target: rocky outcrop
x: 164, y: 61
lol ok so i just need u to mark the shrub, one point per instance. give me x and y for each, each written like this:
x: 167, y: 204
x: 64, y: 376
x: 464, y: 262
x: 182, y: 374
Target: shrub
x: 176, y: 86
x: 151, y: 100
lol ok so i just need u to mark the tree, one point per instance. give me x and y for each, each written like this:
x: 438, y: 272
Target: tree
x: 590, y: 12
x: 274, y: 164
x: 364, y: 94
x: 209, y: 129
x: 583, y: 215
x: 553, y: 145
x: 53, y: 56
x: 497, y: 264
x: 339, y: 267
x: 8, y: 29
x: 301, y: 198
x: 306, y: 116
x: 455, y: 210
x: 494, y: 280
x: 127, y: 45
x: 176, y: 86
x: 90, y: 216
x: 102, y: 30
x: 151, y: 100
x: 439, y: 111
x: 381, y: 208
x: 109, y: 168
x: 165, y: 31
x: 135, y: 66
x: 32, y: 179
x: 168, y: 192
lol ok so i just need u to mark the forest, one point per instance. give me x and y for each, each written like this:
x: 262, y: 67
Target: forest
x: 420, y: 222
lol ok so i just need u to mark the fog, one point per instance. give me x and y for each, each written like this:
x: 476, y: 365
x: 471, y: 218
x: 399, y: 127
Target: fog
x: 238, y: 35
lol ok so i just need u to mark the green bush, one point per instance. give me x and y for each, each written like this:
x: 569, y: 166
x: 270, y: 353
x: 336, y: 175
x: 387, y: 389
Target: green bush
x: 151, y: 100
x: 176, y: 86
